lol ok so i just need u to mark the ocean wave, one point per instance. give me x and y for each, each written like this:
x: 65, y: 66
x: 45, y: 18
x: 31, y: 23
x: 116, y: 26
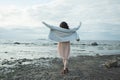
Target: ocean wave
x: 46, y: 42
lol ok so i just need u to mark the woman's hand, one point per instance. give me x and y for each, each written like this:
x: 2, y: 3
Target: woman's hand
x: 77, y: 39
x: 43, y: 22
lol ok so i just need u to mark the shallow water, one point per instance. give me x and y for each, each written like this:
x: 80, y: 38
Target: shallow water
x: 45, y: 48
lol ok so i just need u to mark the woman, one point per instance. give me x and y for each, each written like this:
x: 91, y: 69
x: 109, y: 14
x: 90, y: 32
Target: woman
x: 64, y: 50
x: 63, y: 36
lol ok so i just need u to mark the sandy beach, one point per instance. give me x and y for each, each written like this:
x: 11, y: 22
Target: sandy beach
x: 80, y: 68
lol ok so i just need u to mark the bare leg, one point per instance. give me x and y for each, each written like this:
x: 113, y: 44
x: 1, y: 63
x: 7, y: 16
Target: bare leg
x: 66, y: 55
x: 65, y: 62
x: 64, y: 51
x: 65, y: 69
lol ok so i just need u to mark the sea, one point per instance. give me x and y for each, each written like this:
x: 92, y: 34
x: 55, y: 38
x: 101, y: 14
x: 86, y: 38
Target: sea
x: 32, y: 49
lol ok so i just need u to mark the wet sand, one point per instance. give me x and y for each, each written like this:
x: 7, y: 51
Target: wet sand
x: 80, y: 68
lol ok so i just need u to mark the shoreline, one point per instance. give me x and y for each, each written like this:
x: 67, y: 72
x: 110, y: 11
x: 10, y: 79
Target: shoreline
x: 12, y: 50
x: 81, y: 68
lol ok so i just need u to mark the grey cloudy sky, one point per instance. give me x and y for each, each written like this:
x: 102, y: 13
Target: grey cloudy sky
x: 100, y: 18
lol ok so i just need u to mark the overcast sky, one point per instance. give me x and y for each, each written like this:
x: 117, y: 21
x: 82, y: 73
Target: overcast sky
x: 100, y: 18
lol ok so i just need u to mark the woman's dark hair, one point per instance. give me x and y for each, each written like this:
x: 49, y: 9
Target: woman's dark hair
x: 64, y: 25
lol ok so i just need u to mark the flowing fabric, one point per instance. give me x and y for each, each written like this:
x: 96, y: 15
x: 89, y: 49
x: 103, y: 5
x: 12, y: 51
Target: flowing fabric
x: 62, y: 35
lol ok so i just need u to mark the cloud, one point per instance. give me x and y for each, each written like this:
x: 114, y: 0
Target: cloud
x: 98, y: 17
x: 13, y: 16
x: 72, y: 11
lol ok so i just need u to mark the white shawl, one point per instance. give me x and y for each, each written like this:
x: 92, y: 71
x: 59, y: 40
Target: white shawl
x: 61, y: 34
